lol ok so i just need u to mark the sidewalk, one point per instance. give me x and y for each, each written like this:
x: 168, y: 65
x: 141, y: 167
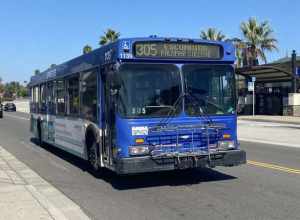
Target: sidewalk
x: 271, y: 118
x: 269, y: 132
x: 25, y: 195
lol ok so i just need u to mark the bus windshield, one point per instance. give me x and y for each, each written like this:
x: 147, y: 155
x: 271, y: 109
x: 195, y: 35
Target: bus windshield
x: 211, y: 89
x: 148, y: 90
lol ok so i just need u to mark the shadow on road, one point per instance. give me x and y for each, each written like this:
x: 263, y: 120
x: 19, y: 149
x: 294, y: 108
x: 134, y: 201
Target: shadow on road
x: 166, y: 178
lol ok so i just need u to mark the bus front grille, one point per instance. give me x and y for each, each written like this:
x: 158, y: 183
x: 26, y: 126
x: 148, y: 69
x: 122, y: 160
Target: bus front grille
x: 184, y: 141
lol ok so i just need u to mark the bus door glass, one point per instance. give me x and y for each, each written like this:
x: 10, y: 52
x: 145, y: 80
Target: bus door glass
x: 109, y: 111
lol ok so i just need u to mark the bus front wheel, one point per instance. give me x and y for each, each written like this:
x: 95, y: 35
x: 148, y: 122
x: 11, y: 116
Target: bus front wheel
x: 93, y: 156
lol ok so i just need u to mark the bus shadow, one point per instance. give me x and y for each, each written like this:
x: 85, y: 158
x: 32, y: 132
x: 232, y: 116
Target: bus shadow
x: 166, y: 178
x: 136, y: 181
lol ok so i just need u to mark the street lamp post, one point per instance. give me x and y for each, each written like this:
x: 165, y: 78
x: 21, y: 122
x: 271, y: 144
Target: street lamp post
x: 294, y: 71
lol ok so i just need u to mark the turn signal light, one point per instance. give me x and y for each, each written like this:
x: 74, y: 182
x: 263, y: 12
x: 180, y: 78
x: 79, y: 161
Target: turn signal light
x: 226, y: 136
x: 139, y: 141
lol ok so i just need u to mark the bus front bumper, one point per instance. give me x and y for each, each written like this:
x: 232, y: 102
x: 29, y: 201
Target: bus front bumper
x: 164, y: 163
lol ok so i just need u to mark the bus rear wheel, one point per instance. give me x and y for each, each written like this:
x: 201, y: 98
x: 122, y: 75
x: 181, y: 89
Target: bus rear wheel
x: 93, y: 156
x: 39, y: 133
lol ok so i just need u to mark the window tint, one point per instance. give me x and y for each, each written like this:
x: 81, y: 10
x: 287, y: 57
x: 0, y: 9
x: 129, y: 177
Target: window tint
x: 60, y: 96
x: 42, y: 105
x: 148, y: 90
x: 211, y: 89
x: 73, y: 94
x: 51, y: 98
x: 89, y: 95
x: 36, y: 99
x: 32, y: 100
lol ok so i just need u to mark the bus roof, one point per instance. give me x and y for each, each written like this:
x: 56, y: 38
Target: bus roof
x: 124, y: 50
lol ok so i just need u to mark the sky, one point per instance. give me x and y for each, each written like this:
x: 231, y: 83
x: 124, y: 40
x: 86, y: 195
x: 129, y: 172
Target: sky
x: 37, y: 33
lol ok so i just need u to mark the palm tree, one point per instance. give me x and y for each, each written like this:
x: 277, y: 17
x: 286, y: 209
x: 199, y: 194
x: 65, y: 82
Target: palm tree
x: 212, y: 34
x: 239, y: 48
x: 87, y: 49
x: 109, y: 36
x: 258, y: 38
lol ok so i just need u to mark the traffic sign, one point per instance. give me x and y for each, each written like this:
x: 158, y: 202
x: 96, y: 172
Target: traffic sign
x: 298, y: 71
x: 250, y: 86
x: 253, y: 78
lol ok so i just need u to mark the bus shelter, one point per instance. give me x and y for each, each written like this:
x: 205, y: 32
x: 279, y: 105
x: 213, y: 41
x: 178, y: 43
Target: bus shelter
x: 273, y: 84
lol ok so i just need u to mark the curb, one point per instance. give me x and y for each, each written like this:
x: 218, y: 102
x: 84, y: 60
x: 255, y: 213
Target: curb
x: 271, y: 121
x: 49, y: 197
x: 269, y: 142
x: 51, y: 209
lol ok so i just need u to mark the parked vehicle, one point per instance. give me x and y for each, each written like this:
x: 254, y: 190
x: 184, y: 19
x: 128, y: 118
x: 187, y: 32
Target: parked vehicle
x: 10, y: 107
x: 1, y: 110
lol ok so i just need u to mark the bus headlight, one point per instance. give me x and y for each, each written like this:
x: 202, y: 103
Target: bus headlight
x: 138, y: 150
x: 226, y: 145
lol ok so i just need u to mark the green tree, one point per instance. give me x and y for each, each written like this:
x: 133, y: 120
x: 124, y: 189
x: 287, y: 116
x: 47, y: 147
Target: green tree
x: 52, y: 65
x: 1, y: 86
x: 22, y: 92
x: 109, y: 36
x: 86, y: 49
x: 258, y: 38
x: 212, y: 34
x: 239, y: 48
x: 15, y: 89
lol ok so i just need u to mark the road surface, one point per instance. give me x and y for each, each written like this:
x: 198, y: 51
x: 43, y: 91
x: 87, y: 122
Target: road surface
x: 268, y: 187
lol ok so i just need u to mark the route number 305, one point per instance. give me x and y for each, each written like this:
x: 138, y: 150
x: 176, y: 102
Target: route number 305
x: 144, y: 50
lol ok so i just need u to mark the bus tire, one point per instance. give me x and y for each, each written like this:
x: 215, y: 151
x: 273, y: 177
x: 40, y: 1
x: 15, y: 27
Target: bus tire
x: 93, y: 155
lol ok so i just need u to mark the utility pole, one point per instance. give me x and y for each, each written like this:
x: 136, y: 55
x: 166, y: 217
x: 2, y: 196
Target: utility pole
x: 294, y: 71
x: 253, y: 95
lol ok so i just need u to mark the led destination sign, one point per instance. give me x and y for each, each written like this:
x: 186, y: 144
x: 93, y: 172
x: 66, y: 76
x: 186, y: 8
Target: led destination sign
x: 177, y: 50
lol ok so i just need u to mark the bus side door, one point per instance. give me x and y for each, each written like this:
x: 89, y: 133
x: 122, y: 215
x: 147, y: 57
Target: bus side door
x: 109, y: 113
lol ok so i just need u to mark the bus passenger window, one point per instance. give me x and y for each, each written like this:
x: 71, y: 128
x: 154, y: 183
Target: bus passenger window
x: 43, y: 106
x: 50, y: 98
x: 89, y: 95
x: 32, y: 100
x: 36, y: 99
x: 60, y: 97
x: 73, y: 94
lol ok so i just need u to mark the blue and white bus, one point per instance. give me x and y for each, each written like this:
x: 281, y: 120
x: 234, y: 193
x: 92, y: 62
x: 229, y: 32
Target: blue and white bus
x: 142, y: 105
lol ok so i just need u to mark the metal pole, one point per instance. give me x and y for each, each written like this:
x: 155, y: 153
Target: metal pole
x: 253, y: 97
x: 294, y: 69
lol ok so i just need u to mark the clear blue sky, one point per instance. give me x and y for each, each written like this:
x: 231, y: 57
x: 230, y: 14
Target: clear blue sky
x: 36, y: 33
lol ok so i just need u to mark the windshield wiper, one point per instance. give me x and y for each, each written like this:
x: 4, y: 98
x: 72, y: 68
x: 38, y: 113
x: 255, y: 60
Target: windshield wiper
x: 202, y: 111
x: 209, y: 102
x: 172, y: 110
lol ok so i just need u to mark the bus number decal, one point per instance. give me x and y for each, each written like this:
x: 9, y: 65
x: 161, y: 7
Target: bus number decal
x: 146, y: 50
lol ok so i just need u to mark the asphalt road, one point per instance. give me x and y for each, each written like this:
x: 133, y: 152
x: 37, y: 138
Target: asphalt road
x: 259, y: 190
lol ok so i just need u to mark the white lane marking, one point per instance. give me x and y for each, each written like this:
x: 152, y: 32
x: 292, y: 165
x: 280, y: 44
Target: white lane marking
x: 17, y: 117
x: 270, y: 142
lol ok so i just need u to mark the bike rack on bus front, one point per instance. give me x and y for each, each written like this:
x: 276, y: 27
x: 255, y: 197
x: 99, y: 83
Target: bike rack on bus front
x: 194, y: 133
